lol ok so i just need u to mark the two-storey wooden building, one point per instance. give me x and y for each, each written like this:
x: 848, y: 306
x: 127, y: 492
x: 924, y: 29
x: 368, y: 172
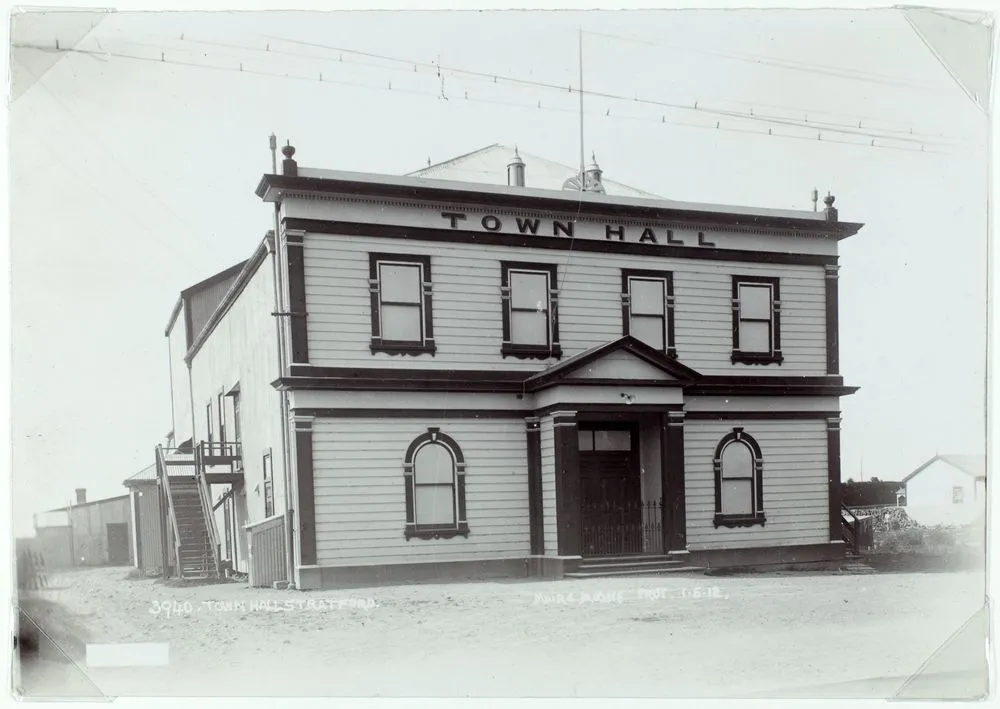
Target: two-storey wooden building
x: 500, y: 379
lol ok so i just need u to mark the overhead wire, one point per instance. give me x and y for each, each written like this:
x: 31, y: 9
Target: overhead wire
x: 388, y: 86
x: 437, y: 67
x: 883, y: 133
x: 495, y: 77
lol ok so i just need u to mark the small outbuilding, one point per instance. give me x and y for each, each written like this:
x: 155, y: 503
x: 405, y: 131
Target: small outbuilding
x: 947, y: 489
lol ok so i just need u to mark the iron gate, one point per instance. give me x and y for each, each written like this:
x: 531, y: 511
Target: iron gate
x: 619, y: 528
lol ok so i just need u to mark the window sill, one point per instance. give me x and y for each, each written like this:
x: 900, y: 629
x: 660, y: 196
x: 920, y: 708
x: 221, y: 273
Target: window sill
x: 732, y: 521
x: 757, y: 358
x: 531, y: 351
x: 434, y: 532
x: 404, y: 348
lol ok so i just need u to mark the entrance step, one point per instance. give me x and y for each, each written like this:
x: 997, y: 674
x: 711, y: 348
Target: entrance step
x: 631, y: 559
x: 628, y: 571
x: 632, y: 565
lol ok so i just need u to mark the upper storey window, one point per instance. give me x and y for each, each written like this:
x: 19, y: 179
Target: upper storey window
x: 530, y: 310
x: 401, y: 308
x: 756, y: 320
x: 648, y: 308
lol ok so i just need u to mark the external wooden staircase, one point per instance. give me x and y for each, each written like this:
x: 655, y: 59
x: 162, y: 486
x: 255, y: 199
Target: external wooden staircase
x: 196, y: 557
x: 185, y: 488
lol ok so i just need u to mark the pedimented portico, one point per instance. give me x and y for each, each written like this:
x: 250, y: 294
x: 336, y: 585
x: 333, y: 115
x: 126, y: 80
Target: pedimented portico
x: 615, y: 476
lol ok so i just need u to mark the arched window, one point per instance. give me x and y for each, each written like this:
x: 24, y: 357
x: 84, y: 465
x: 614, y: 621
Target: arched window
x: 434, y: 473
x: 739, y: 481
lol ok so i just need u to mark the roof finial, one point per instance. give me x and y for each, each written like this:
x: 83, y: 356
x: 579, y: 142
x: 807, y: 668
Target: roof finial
x: 831, y: 211
x: 289, y: 166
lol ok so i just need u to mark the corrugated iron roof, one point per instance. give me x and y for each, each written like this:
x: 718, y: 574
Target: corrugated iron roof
x: 147, y: 474
x: 489, y: 165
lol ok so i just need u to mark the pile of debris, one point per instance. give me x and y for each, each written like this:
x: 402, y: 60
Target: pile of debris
x: 887, y: 519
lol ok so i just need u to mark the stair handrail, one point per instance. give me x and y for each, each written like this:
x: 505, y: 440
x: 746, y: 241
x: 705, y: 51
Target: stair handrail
x: 161, y: 470
x: 852, y: 526
x: 205, y: 496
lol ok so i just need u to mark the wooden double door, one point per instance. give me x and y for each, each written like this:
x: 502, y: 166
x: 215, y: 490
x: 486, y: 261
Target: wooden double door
x: 611, y: 503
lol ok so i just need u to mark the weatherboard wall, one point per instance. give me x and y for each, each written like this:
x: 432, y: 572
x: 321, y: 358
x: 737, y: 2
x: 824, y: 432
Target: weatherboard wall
x: 360, y: 494
x: 180, y: 395
x: 242, y: 349
x: 467, y: 306
x: 795, y: 475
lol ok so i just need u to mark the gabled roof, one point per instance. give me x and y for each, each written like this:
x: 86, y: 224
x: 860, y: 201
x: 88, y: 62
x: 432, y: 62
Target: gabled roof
x: 227, y: 274
x: 972, y: 465
x: 67, y: 508
x: 676, y: 371
x: 489, y: 165
x: 146, y: 475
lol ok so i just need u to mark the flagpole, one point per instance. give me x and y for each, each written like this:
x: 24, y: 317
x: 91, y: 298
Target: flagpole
x: 580, y: 36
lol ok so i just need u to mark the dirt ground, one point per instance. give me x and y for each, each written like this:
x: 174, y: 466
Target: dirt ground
x: 668, y: 636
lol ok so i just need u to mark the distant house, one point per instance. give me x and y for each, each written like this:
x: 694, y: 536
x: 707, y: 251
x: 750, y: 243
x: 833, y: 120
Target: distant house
x: 947, y: 489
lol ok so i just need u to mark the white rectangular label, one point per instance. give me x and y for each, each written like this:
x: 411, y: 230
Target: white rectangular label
x: 128, y: 654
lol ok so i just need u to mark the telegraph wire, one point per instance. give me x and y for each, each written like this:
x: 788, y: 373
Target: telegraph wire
x: 600, y: 94
x: 436, y: 68
x: 875, y: 142
x: 493, y: 77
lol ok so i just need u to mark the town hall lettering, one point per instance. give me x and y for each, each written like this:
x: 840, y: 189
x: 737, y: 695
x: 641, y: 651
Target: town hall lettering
x: 555, y: 227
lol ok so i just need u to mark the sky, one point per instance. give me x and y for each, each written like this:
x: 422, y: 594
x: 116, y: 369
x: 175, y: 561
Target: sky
x: 134, y: 159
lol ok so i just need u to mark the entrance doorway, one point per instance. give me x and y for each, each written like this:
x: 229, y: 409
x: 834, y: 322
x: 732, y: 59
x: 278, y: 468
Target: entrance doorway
x: 610, y: 489
x: 118, y: 544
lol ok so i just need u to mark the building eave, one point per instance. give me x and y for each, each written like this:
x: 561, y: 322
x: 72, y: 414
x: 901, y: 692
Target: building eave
x: 173, y: 315
x: 272, y: 187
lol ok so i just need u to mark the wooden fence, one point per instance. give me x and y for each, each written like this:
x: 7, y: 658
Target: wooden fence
x: 266, y: 541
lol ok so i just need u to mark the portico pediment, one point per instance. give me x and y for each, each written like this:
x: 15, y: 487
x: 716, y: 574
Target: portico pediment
x: 622, y: 361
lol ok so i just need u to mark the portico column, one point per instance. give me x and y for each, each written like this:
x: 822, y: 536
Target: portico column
x: 536, y: 520
x: 567, y: 464
x: 672, y: 472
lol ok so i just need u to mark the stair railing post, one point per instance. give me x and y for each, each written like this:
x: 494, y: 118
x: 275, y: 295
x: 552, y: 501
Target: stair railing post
x: 171, y: 512
x: 162, y: 508
x: 204, y: 495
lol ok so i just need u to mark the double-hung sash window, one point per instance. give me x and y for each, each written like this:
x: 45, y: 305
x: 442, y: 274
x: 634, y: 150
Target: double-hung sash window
x: 434, y: 474
x: 210, y: 424
x: 268, y: 473
x: 739, y: 480
x: 530, y: 295
x: 221, y: 400
x: 401, y: 309
x: 756, y: 320
x: 648, y: 308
